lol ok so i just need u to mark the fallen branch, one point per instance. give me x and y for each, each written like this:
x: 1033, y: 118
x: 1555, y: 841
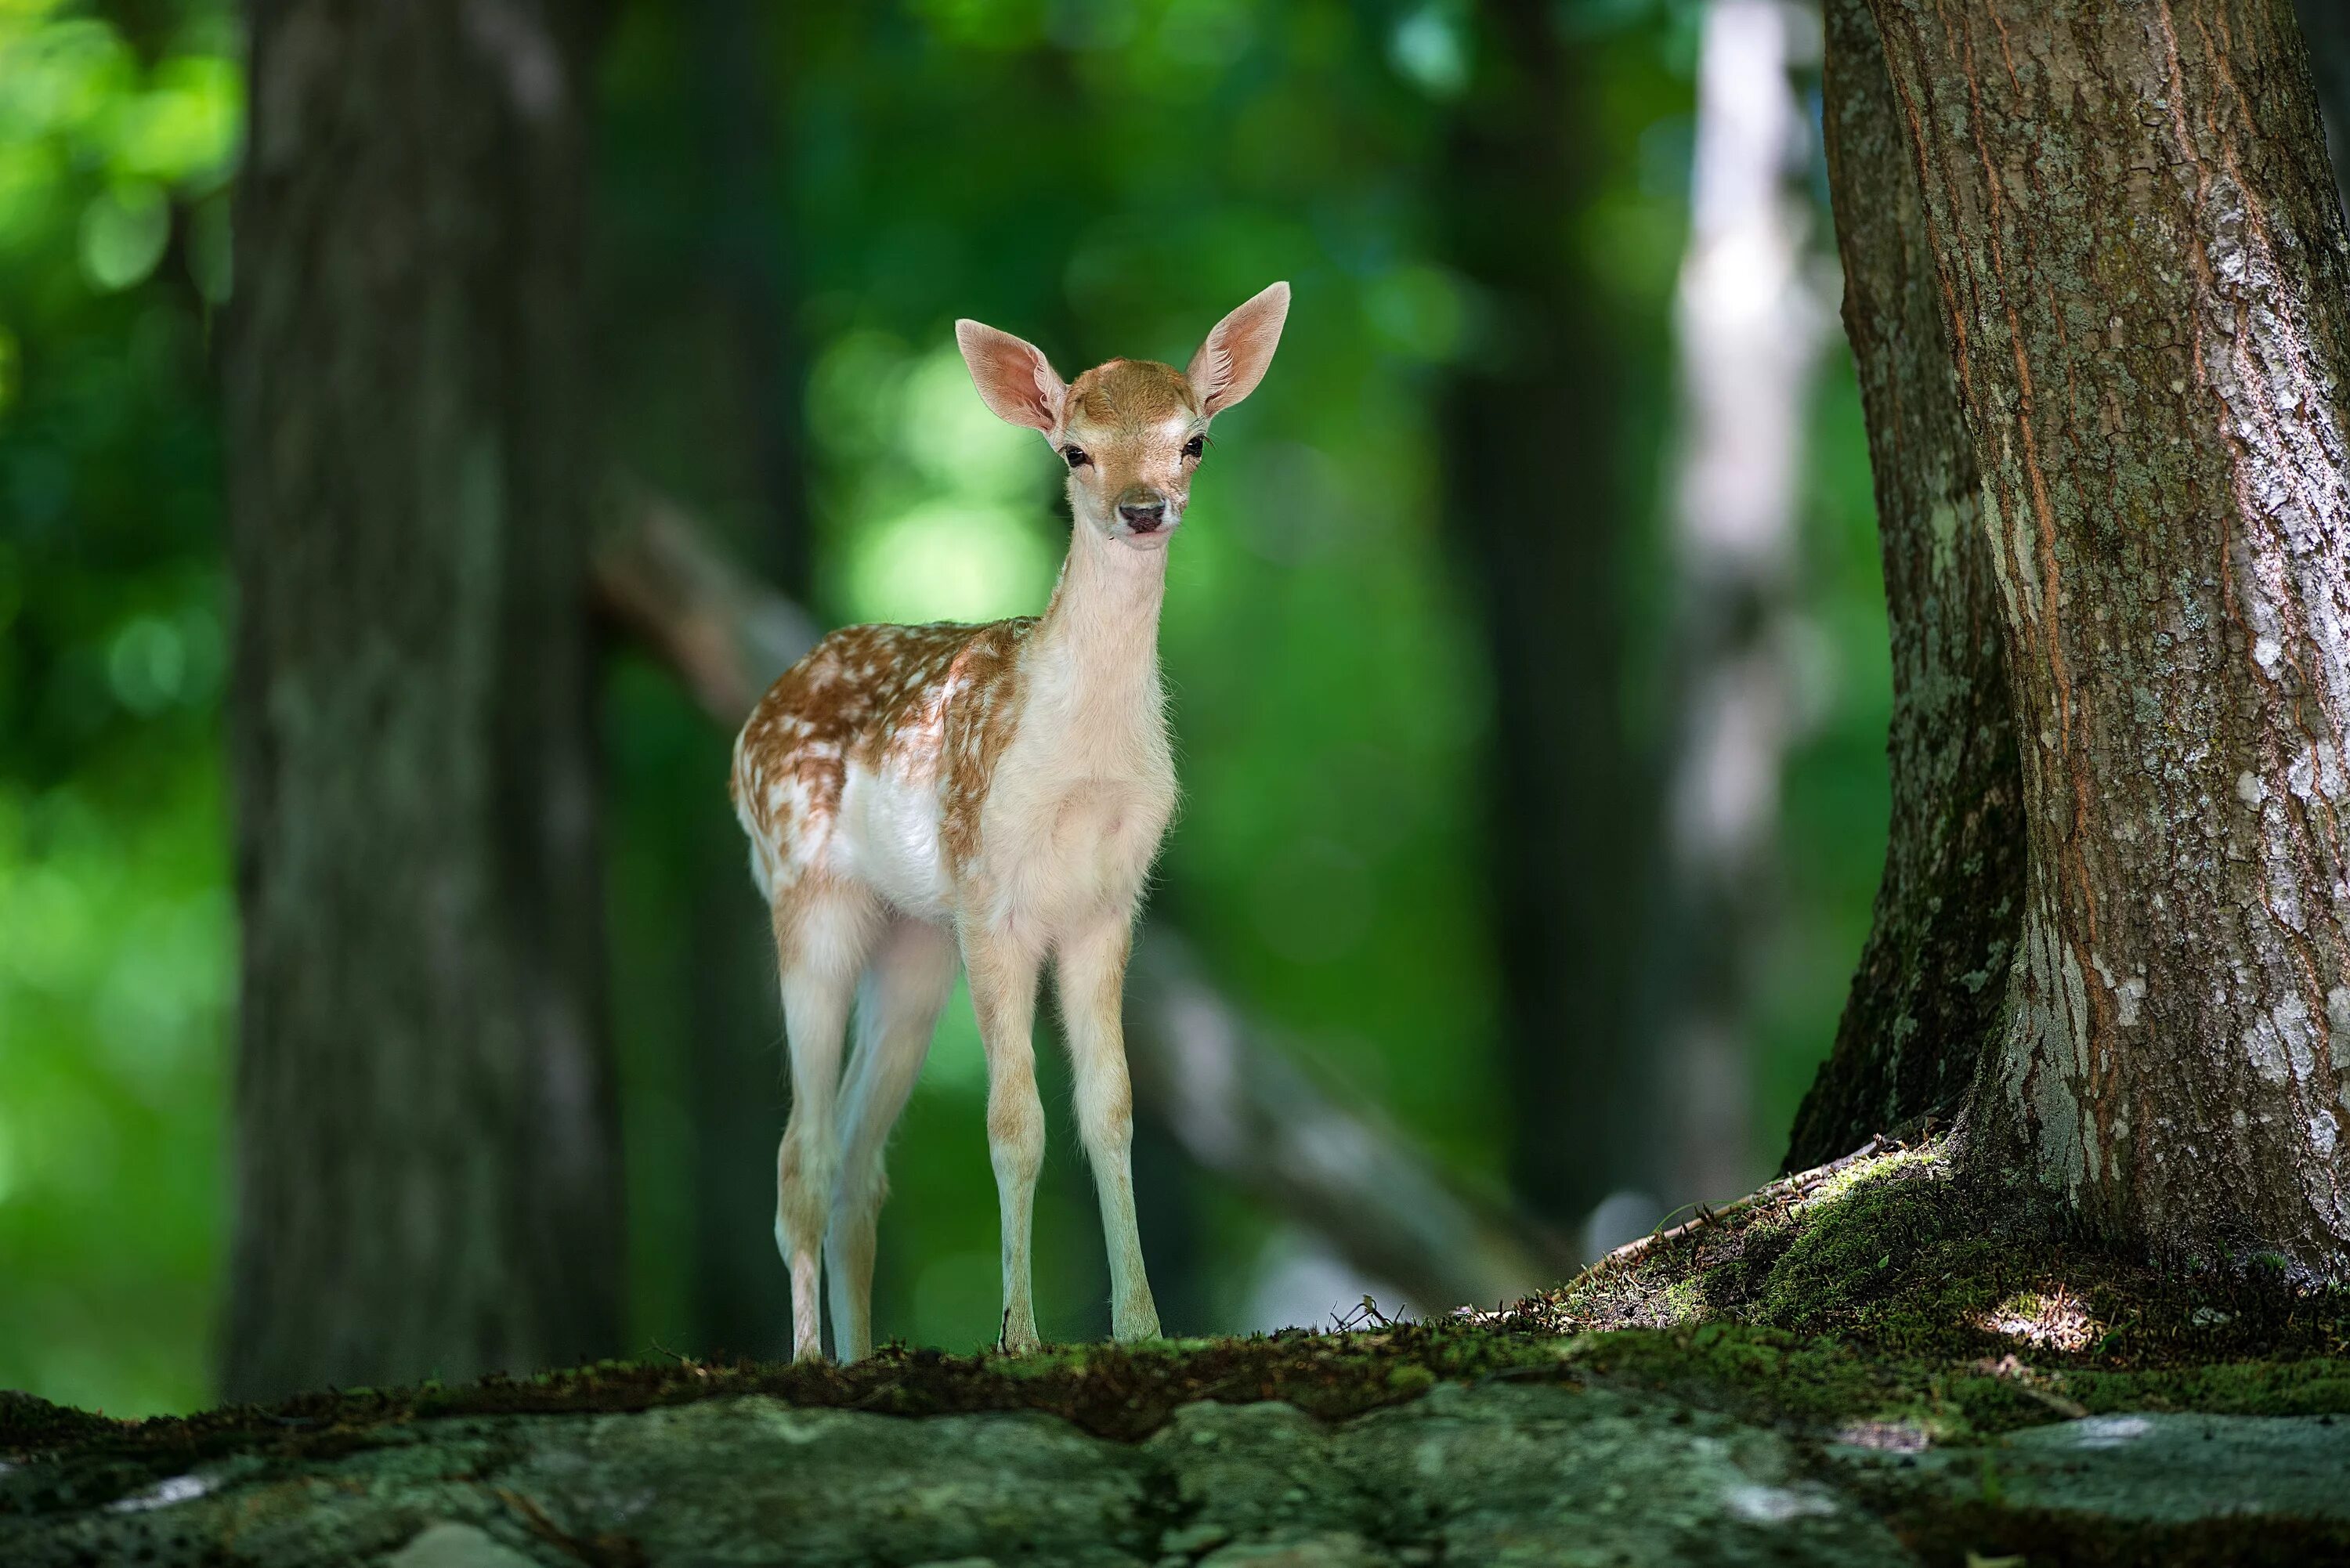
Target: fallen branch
x: 719, y: 631
x: 1244, y: 1109
x: 1236, y: 1104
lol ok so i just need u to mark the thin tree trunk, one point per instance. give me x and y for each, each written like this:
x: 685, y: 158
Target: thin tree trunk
x: 2142, y: 263
x: 1533, y: 461
x: 1751, y: 327
x: 426, y: 1160
x: 1926, y: 1004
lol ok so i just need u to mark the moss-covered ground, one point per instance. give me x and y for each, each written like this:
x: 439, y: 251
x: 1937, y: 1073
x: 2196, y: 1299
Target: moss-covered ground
x: 1887, y: 1300
x: 1883, y: 1327
x: 1893, y: 1289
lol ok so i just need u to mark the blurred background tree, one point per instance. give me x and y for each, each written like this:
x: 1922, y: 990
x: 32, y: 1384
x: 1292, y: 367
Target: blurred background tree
x: 1426, y: 645
x: 425, y: 1140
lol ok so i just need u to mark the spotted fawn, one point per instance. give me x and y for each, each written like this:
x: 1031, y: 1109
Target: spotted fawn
x: 918, y: 796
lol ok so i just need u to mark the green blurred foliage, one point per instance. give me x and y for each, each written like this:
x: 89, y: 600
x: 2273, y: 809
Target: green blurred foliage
x: 1099, y: 176
x: 117, y: 947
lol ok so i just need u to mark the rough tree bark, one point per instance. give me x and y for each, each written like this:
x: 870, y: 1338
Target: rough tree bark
x: 1533, y: 461
x: 2142, y: 268
x: 426, y: 1164
x: 1926, y: 1003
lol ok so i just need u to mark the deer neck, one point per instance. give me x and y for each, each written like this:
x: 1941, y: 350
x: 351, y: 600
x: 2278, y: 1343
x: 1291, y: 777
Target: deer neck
x: 1099, y: 644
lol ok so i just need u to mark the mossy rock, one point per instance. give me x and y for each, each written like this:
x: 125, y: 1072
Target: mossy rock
x: 1880, y: 1364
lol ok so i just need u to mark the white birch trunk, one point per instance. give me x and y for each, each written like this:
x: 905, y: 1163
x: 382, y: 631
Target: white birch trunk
x: 1752, y: 322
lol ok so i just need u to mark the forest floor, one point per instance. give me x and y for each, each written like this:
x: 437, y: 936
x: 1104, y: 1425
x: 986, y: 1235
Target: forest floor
x: 1870, y: 1364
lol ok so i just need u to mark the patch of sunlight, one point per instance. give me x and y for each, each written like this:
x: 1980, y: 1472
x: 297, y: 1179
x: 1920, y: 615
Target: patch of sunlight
x: 123, y: 232
x: 49, y: 923
x: 2053, y: 1320
x: 854, y: 394
x: 166, y: 1493
x: 1885, y: 1437
x: 1845, y: 1182
x: 1431, y: 47
x: 948, y: 560
x: 955, y: 441
x: 62, y: 72
x: 184, y: 127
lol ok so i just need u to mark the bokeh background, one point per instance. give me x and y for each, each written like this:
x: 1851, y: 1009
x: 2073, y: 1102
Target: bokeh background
x: 792, y: 205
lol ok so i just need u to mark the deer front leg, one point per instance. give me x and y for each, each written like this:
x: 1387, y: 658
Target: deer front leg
x: 1090, y: 971
x: 1002, y: 971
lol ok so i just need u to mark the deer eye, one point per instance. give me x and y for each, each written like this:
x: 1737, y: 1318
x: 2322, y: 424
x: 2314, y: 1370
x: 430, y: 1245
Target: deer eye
x: 1075, y: 456
x: 1194, y: 447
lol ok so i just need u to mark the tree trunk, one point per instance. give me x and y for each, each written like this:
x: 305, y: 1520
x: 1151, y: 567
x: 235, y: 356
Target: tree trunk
x: 425, y: 1154
x: 1926, y: 1003
x: 2142, y: 264
x: 1534, y: 457
x: 1750, y: 331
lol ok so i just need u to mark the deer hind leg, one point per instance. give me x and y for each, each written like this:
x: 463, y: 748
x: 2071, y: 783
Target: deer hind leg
x: 820, y: 937
x: 1090, y: 975
x: 906, y: 983
x: 1003, y: 969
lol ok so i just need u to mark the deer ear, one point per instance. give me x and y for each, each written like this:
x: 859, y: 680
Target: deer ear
x: 1012, y: 376
x: 1232, y: 361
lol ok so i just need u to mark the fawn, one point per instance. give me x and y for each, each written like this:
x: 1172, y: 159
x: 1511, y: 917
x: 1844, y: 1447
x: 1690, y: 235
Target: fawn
x: 920, y: 794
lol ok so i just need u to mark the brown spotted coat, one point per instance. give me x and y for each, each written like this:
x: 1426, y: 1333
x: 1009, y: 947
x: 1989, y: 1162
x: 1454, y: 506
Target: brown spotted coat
x: 931, y: 705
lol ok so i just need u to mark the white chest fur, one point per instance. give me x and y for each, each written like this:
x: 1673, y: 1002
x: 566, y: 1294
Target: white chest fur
x: 1079, y: 802
x: 1079, y: 799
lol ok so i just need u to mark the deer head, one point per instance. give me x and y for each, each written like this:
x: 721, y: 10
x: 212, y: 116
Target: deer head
x: 1132, y: 431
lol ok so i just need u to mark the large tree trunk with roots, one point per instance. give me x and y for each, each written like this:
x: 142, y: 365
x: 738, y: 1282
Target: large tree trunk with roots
x: 2142, y: 272
x: 1926, y: 1001
x: 426, y: 1154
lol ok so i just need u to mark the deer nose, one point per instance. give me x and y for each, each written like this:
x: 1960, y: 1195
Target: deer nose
x: 1143, y: 517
